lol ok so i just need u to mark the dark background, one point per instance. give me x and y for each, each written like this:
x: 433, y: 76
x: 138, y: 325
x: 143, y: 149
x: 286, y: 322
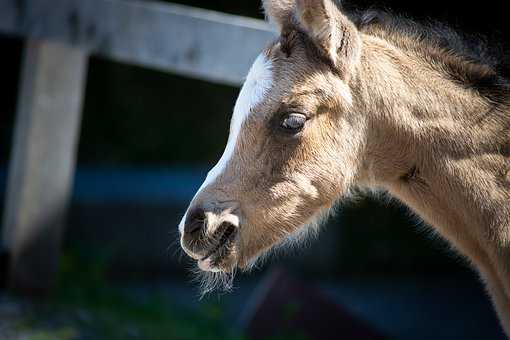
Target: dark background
x: 140, y: 126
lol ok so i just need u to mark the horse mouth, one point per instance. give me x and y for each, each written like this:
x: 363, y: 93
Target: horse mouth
x: 215, y: 258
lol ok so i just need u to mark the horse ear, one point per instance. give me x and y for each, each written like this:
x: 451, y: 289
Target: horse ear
x: 279, y: 11
x: 332, y: 32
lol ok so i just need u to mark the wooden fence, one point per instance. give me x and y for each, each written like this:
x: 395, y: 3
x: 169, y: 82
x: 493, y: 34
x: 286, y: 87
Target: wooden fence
x: 60, y: 36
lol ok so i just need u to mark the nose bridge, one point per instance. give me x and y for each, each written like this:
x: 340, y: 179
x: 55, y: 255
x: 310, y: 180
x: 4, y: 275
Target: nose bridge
x: 217, y: 197
x: 222, y: 183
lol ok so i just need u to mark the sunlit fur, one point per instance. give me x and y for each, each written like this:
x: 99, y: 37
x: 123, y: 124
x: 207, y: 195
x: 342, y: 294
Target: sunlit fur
x: 418, y: 112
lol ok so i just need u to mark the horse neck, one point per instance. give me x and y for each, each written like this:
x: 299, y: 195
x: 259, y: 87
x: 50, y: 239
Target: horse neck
x: 440, y: 148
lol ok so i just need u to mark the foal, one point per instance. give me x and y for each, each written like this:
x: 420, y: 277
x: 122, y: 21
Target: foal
x: 370, y: 101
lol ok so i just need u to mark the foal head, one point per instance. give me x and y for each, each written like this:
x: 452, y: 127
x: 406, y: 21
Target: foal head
x: 295, y: 141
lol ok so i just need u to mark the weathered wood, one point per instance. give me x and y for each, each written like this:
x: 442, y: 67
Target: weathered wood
x: 189, y: 41
x: 42, y: 161
x: 192, y: 42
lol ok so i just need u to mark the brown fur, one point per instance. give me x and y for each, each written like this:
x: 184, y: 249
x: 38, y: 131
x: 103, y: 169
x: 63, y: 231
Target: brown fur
x: 386, y: 109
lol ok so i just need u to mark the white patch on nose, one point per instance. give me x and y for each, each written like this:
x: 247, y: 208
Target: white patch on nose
x: 258, y: 81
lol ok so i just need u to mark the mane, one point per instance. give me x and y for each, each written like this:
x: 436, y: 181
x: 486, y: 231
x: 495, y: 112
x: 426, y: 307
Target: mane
x: 472, y: 61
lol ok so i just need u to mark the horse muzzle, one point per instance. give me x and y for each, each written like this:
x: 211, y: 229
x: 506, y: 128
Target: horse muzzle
x: 209, y: 236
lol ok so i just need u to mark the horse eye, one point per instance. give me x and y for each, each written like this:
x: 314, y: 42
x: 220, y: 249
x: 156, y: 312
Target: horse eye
x: 293, y: 122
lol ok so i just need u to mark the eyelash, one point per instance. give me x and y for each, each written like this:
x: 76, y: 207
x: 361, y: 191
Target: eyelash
x: 293, y: 122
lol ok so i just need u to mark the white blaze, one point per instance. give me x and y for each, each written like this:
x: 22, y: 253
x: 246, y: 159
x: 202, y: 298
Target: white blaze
x: 258, y: 81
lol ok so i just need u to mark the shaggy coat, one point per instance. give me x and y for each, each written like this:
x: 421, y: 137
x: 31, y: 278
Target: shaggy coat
x: 364, y: 100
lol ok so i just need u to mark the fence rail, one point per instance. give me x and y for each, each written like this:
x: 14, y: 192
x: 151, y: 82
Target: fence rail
x: 189, y: 41
x: 60, y: 35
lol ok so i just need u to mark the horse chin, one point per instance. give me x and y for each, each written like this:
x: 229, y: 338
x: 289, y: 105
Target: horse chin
x: 224, y: 260
x: 208, y: 266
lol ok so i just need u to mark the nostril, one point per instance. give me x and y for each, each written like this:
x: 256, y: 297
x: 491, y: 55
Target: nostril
x: 195, y: 221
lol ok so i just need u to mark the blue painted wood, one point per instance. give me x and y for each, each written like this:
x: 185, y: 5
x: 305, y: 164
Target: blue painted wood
x: 137, y: 185
x: 112, y: 185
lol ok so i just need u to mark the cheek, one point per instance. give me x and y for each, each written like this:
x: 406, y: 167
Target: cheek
x: 282, y: 208
x: 284, y: 182
x: 336, y: 155
x: 314, y: 170
x: 287, y: 181
x: 278, y: 217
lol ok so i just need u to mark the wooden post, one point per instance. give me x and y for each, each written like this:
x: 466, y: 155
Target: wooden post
x: 42, y: 162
